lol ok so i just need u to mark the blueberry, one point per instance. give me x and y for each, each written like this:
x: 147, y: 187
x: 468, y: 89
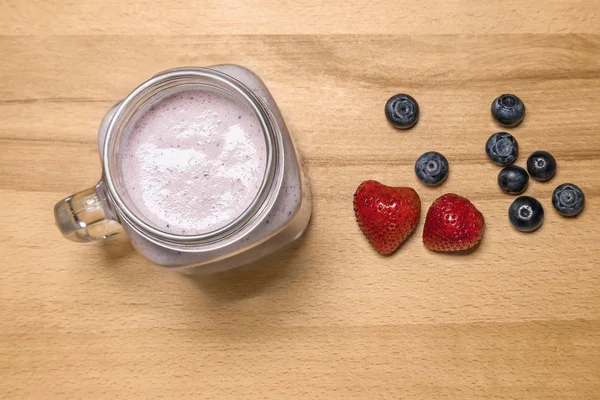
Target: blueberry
x: 526, y: 213
x: 513, y: 179
x: 431, y: 168
x: 568, y: 199
x: 541, y: 165
x: 508, y: 109
x: 402, y: 111
x: 502, y: 148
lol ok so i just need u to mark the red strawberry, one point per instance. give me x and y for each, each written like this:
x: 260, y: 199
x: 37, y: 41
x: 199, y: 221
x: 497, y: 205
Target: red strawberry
x: 386, y: 215
x: 452, y: 224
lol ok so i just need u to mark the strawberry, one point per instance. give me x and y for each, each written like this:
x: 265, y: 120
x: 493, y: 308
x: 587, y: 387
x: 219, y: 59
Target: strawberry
x: 386, y: 215
x: 452, y: 224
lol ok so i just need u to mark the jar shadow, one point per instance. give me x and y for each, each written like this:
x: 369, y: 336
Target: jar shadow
x: 116, y: 248
x: 226, y: 306
x: 269, y: 273
x: 250, y: 280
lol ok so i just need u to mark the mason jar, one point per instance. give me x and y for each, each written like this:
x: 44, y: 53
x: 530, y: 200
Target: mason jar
x: 275, y: 215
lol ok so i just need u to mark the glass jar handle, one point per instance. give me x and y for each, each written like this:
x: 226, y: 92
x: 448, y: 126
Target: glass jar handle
x: 83, y: 217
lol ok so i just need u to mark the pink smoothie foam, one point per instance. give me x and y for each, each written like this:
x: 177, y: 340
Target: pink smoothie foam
x: 194, y: 161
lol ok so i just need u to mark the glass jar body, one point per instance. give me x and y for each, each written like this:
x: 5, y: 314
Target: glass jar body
x: 280, y: 220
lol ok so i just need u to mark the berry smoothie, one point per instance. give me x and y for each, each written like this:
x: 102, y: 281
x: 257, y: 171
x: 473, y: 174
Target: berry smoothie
x: 194, y: 161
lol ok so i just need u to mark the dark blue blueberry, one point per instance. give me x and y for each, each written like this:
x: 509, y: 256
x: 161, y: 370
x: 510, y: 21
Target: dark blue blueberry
x: 513, y: 179
x: 502, y: 148
x: 541, y: 165
x: 568, y: 199
x: 402, y: 111
x: 508, y: 109
x: 526, y: 213
x: 431, y: 168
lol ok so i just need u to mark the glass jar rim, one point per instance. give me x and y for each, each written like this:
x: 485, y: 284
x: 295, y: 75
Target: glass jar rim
x: 150, y: 90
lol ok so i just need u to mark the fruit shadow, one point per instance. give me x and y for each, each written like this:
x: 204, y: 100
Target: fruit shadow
x: 572, y: 217
x: 502, y: 128
x: 251, y: 280
x: 460, y: 253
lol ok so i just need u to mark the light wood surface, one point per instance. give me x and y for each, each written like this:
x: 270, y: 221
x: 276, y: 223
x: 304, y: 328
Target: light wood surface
x: 519, y: 318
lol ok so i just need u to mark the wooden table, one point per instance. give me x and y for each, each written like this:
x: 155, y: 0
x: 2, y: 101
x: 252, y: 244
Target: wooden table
x: 328, y: 319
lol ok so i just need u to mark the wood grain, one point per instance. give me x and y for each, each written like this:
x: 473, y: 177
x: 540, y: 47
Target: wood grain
x: 266, y: 17
x: 328, y: 318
